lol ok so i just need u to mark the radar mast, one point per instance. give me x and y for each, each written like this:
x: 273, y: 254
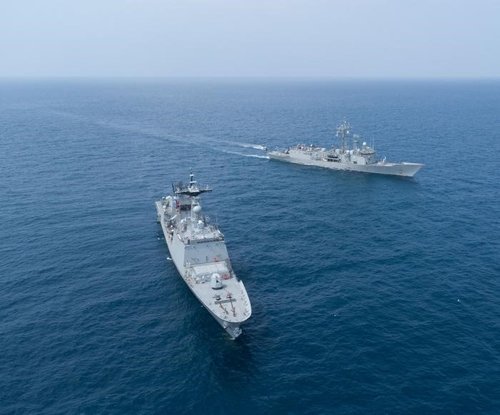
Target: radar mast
x: 192, y: 189
x: 343, y: 132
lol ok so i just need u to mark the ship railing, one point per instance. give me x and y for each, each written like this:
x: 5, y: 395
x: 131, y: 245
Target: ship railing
x: 224, y: 270
x: 200, y: 238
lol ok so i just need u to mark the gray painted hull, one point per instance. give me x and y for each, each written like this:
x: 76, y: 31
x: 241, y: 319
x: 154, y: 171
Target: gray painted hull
x: 178, y: 253
x: 394, y: 169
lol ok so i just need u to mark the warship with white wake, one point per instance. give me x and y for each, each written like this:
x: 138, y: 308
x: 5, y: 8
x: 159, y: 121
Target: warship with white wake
x: 199, y: 252
x: 360, y: 158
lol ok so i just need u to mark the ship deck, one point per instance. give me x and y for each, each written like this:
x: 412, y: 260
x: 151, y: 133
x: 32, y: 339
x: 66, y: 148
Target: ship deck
x: 229, y: 303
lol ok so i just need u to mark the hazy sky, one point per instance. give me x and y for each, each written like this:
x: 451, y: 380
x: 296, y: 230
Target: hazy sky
x: 310, y: 38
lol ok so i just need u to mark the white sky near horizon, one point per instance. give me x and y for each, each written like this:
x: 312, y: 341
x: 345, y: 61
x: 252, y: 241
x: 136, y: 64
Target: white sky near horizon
x: 250, y: 38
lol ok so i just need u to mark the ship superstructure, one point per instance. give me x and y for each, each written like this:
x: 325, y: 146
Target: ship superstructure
x: 198, y: 250
x: 361, y: 158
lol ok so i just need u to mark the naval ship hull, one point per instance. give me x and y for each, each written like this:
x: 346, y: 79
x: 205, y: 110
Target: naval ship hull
x: 177, y: 249
x: 394, y: 169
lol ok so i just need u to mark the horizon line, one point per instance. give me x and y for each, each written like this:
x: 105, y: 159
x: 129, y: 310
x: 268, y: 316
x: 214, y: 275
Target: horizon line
x: 250, y: 77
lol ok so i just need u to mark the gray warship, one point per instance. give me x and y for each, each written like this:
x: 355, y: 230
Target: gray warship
x: 360, y: 158
x: 199, y: 252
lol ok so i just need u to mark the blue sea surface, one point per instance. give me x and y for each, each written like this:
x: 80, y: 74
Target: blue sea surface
x: 370, y: 294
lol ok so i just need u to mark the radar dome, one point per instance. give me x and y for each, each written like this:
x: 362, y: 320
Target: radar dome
x: 197, y: 209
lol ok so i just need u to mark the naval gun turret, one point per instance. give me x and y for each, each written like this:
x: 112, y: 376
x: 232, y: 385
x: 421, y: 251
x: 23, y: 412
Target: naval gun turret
x: 345, y: 157
x: 198, y: 250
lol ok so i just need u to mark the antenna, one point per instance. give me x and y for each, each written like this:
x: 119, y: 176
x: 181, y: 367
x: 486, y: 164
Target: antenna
x: 343, y: 131
x: 191, y: 189
x: 355, y: 140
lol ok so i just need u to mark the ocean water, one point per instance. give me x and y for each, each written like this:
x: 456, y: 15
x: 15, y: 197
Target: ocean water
x: 370, y: 294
